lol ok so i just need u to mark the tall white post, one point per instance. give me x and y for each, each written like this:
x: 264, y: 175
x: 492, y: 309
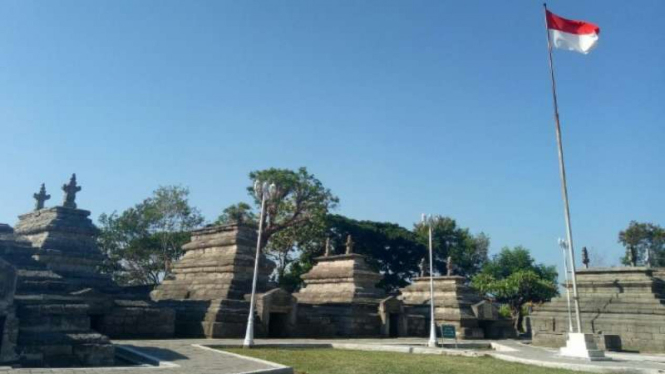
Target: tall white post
x: 249, y: 334
x: 428, y: 220
x: 578, y: 344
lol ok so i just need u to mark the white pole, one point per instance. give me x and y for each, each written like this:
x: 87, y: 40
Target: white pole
x: 564, y: 186
x: 249, y: 334
x: 432, y: 330
x: 564, y: 248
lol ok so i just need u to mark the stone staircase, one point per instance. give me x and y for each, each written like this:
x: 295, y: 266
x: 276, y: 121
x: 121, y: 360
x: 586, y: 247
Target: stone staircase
x: 54, y: 328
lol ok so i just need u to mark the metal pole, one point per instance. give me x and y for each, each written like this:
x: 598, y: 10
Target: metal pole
x: 564, y: 248
x: 249, y: 334
x: 564, y: 187
x: 432, y: 331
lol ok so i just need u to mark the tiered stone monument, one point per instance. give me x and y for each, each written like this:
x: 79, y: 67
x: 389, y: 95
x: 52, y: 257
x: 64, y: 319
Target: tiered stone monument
x: 66, y: 239
x: 623, y: 307
x: 64, y: 306
x: 455, y: 303
x: 210, y: 282
x: 340, y: 297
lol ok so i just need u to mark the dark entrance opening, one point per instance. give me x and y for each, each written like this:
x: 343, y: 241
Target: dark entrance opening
x: 277, y: 327
x: 394, y: 325
x: 97, y: 322
x: 2, y: 330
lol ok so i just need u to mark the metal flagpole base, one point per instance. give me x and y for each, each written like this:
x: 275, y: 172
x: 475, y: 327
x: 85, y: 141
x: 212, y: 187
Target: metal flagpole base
x: 580, y: 345
x: 432, y: 342
x: 249, y: 336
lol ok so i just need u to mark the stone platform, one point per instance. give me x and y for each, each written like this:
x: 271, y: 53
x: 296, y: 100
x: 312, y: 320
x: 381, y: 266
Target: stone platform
x: 455, y: 303
x: 623, y: 307
x: 209, y: 283
x: 64, y: 309
x: 340, y: 298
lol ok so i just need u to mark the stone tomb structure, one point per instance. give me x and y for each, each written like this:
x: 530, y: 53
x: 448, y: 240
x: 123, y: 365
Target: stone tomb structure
x: 340, y: 299
x: 623, y: 307
x: 63, y: 310
x: 455, y: 303
x: 210, y: 284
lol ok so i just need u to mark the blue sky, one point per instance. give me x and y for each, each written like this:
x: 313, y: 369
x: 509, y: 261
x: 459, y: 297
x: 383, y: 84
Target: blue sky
x: 400, y: 107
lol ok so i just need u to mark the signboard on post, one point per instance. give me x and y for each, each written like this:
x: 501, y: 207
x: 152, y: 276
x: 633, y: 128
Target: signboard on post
x: 448, y: 332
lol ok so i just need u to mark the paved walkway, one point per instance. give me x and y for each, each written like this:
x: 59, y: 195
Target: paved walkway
x: 191, y: 356
x: 620, y: 362
x: 176, y: 357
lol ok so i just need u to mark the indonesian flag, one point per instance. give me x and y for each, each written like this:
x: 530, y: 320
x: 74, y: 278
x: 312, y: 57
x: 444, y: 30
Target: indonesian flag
x: 572, y: 35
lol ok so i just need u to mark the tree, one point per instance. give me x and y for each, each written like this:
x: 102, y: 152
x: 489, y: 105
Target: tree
x: 512, y: 277
x: 240, y: 213
x: 468, y: 252
x: 143, y: 241
x: 647, y: 240
x: 295, y: 217
x: 391, y: 249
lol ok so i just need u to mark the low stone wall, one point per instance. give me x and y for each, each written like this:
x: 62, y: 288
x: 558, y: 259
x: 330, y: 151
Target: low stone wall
x: 130, y: 319
x: 626, y: 304
x: 338, y: 320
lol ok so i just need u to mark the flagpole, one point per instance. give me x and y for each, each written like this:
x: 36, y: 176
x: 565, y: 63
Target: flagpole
x: 564, y: 186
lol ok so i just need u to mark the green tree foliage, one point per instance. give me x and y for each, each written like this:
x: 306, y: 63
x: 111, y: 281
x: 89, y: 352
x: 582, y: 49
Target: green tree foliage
x: 143, y: 241
x: 468, y: 252
x: 240, y: 213
x: 512, y: 277
x: 391, y: 249
x: 647, y: 240
x: 295, y: 217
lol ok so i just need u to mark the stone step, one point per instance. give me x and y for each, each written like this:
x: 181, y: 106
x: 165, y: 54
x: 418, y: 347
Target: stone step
x: 73, y: 323
x: 61, y: 338
x: 58, y: 349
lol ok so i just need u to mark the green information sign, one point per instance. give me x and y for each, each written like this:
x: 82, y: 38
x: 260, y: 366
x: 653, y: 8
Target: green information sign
x: 448, y: 332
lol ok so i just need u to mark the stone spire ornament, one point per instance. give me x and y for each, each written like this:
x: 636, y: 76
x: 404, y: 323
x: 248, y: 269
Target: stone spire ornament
x: 632, y: 256
x: 327, y: 253
x: 423, y: 267
x: 449, y: 266
x: 41, y: 197
x: 585, y: 257
x: 349, y: 245
x: 70, y: 193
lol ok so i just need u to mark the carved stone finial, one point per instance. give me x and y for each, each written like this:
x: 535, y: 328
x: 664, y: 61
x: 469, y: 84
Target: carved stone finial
x: 585, y: 257
x: 70, y: 193
x: 449, y: 266
x: 632, y: 255
x: 327, y: 253
x: 41, y: 197
x: 423, y: 267
x: 349, y: 245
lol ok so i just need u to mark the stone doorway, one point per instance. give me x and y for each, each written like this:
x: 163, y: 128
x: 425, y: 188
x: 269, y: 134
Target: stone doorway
x: 97, y: 322
x: 277, y: 325
x: 393, y: 324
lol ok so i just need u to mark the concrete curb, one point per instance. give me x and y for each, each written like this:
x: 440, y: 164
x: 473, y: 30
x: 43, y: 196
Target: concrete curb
x: 276, y: 368
x: 135, y: 355
x: 574, y: 366
x: 500, y: 352
x: 406, y: 349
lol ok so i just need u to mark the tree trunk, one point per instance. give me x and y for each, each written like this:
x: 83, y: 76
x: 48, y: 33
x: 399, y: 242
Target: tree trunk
x: 517, y: 319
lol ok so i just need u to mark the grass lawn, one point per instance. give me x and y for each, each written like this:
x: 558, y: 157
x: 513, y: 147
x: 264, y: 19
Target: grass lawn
x: 334, y: 361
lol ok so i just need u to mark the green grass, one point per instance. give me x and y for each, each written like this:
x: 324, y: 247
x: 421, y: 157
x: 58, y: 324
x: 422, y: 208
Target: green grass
x: 333, y: 361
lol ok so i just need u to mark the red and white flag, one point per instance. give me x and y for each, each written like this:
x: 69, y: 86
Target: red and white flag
x: 571, y: 35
